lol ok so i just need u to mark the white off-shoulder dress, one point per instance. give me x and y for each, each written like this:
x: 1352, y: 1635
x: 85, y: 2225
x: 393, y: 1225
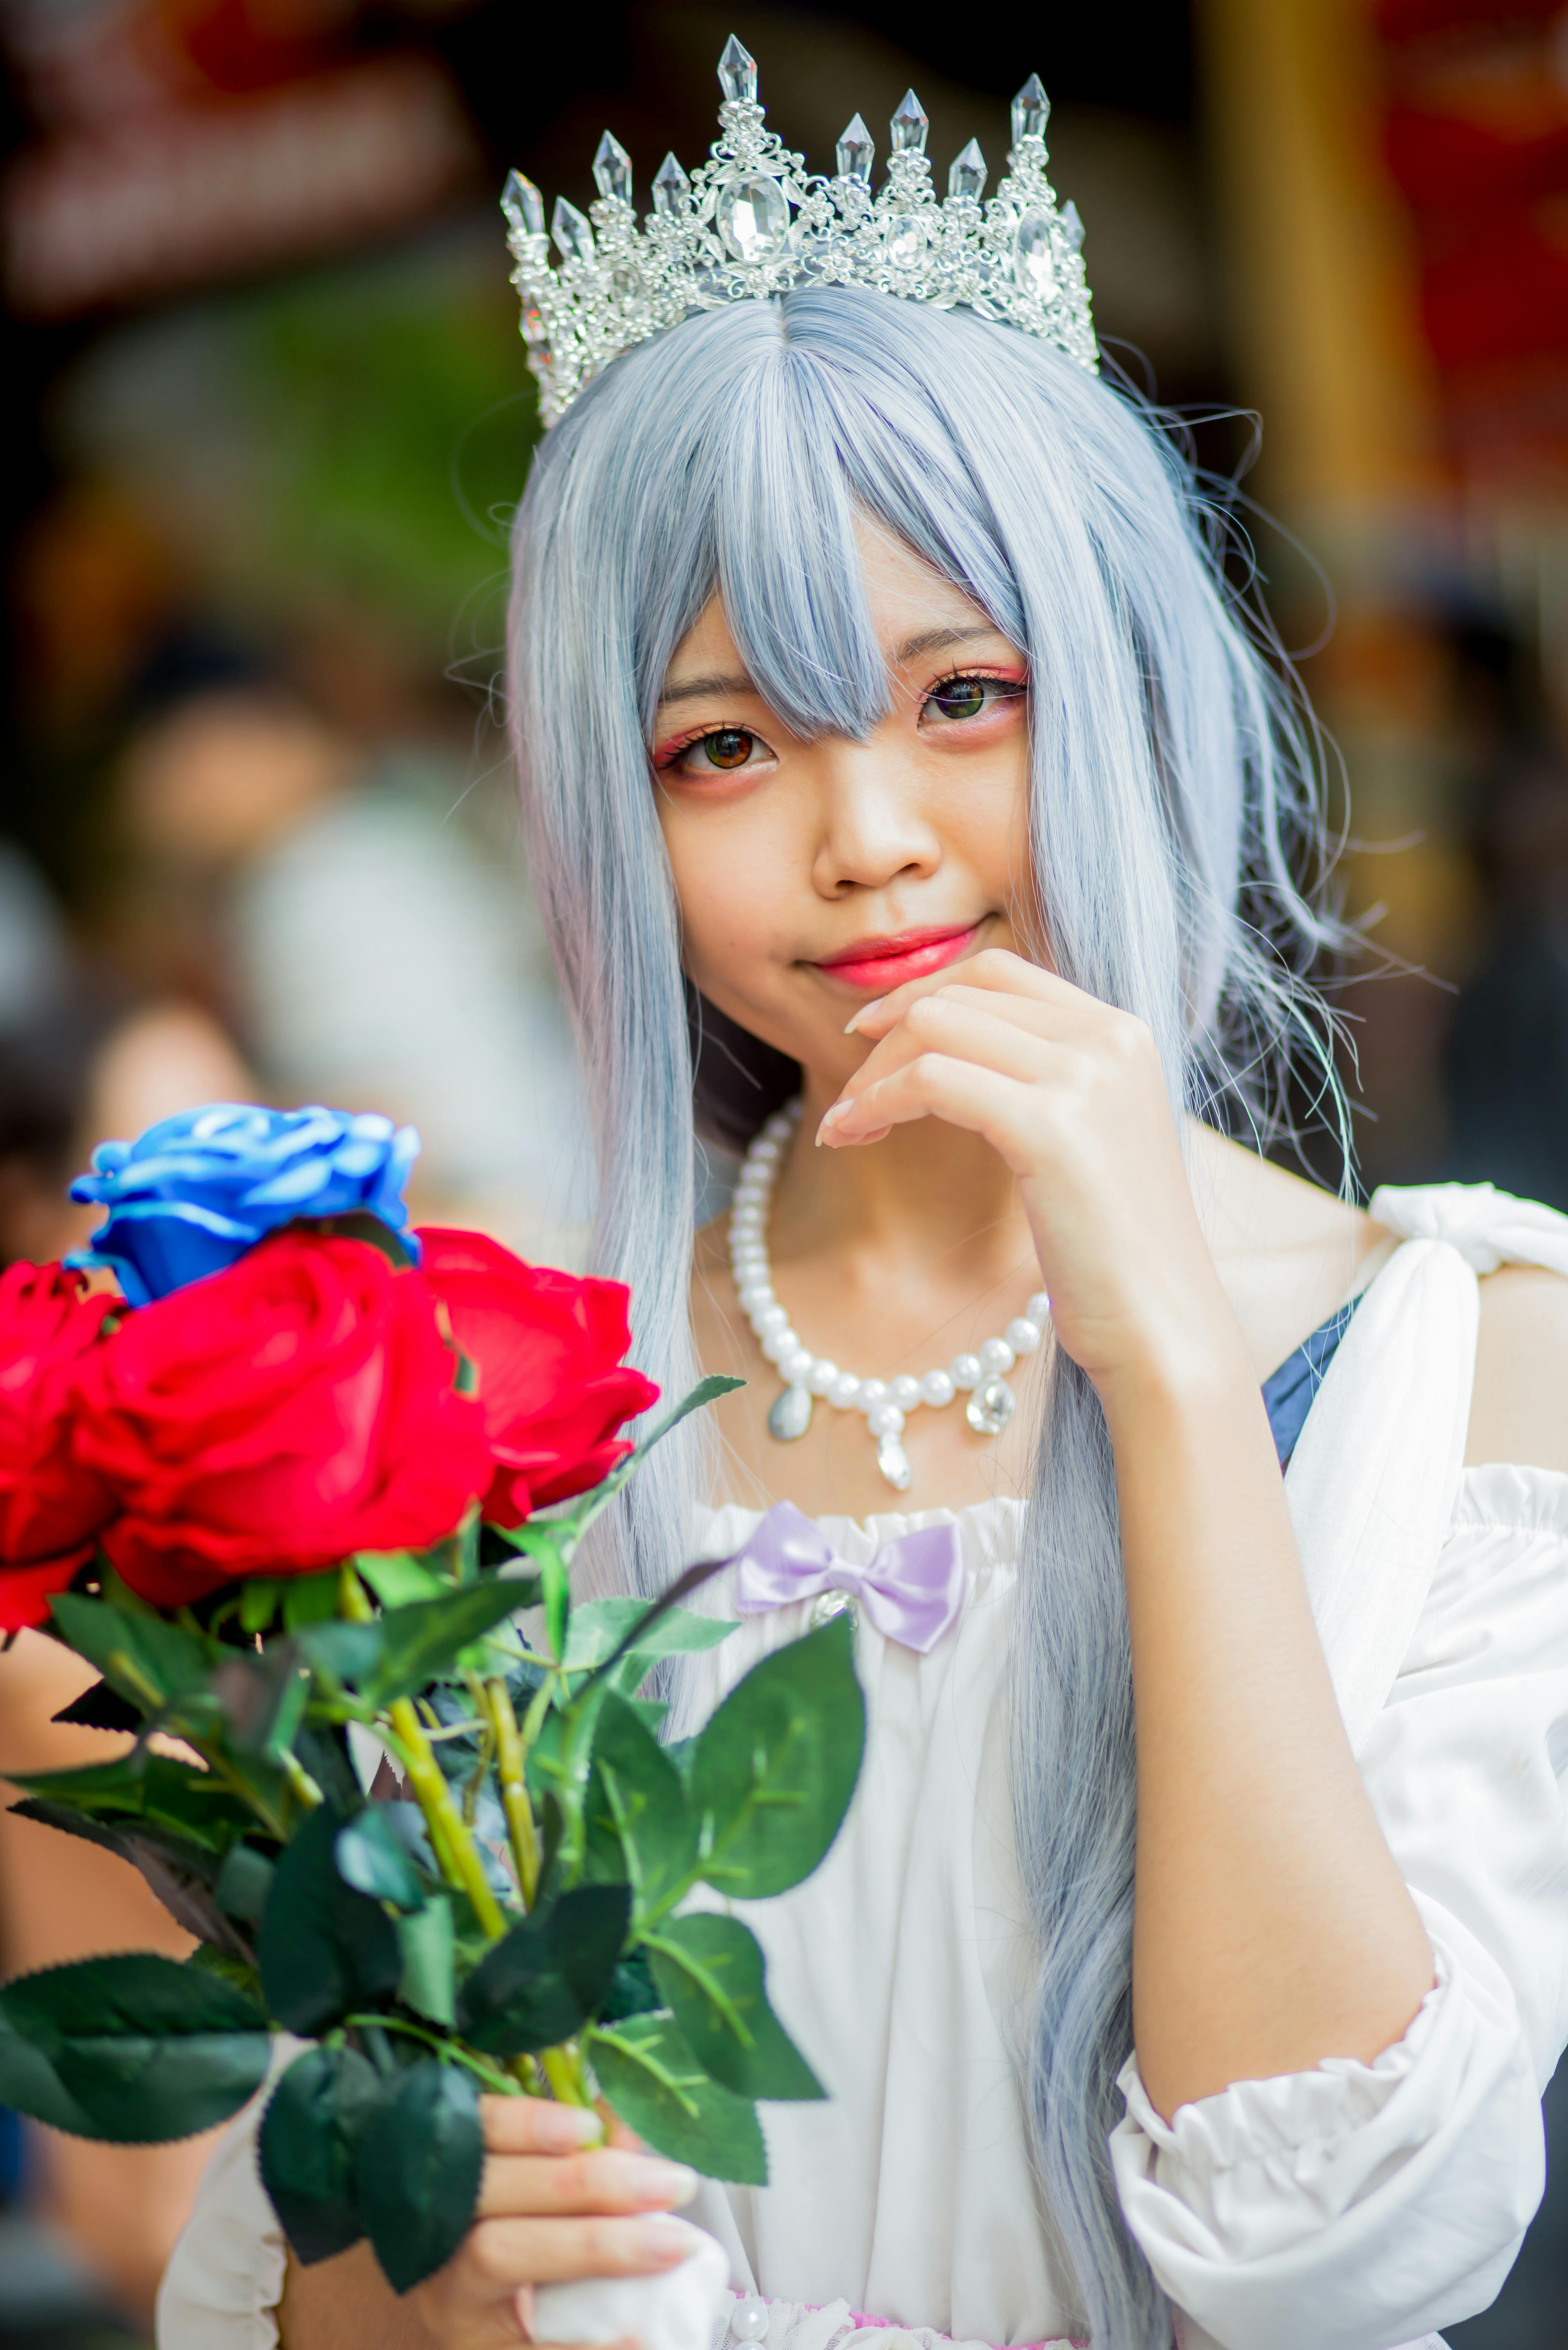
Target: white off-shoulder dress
x: 1355, y: 2207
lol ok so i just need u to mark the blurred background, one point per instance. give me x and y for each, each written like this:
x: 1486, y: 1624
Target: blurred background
x: 270, y: 418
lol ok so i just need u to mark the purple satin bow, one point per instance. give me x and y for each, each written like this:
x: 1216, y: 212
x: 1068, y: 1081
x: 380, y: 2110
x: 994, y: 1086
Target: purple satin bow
x: 911, y: 1590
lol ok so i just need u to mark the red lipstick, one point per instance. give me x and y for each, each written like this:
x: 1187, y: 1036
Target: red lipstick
x: 878, y: 965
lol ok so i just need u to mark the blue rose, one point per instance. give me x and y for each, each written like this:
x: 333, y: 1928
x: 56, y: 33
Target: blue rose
x: 196, y: 1192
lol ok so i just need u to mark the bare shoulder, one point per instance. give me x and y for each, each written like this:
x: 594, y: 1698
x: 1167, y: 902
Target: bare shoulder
x: 1519, y: 1411
x: 1289, y: 1251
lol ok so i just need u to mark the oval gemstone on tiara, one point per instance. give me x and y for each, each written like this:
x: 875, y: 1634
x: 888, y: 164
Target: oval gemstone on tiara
x: 1034, y: 263
x: 753, y: 219
x: 907, y: 241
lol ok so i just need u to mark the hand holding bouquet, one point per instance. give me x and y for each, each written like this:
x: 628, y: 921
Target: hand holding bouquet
x: 290, y: 1494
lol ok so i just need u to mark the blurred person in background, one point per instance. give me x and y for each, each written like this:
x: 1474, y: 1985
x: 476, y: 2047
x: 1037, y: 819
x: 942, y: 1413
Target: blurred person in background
x: 85, y: 2229
x: 355, y: 933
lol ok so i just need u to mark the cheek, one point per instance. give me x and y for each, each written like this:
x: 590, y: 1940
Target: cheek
x: 730, y: 882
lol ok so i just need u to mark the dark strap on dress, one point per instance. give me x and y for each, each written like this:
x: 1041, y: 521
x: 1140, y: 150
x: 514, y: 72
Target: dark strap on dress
x: 1288, y: 1392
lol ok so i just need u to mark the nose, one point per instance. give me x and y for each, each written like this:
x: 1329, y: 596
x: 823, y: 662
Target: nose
x: 872, y: 826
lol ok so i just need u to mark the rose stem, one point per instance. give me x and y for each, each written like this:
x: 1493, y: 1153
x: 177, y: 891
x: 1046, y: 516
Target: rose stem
x: 461, y: 1864
x: 455, y: 1848
x: 521, y: 1831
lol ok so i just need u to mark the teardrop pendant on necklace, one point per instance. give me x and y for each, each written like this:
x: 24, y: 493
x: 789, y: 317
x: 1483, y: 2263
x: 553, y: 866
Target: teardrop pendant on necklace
x: 894, y: 1462
x: 790, y: 1414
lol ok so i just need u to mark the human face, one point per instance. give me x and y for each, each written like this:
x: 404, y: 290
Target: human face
x: 816, y: 875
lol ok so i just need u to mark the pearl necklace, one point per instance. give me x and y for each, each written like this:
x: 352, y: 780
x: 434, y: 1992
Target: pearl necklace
x: 884, y: 1403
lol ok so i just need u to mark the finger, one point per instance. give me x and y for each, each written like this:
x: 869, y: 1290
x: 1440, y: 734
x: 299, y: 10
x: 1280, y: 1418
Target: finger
x: 500, y: 2254
x: 997, y: 969
x: 611, y: 2178
x: 966, y: 1024
x: 960, y: 1093
x: 538, y: 2126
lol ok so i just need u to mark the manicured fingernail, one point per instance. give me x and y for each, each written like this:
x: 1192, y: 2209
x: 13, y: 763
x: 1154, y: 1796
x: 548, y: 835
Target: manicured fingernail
x: 664, y: 2242
x: 831, y: 1118
x: 669, y: 2183
x: 563, y: 2128
x: 853, y: 1022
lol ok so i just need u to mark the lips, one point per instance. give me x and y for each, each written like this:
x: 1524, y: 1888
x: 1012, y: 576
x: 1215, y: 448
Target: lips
x: 879, y: 965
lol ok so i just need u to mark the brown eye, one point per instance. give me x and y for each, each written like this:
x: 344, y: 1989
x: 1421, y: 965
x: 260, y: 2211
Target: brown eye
x: 962, y: 697
x: 728, y: 747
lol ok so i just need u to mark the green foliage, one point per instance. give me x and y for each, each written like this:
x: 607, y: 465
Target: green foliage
x: 710, y: 1971
x: 428, y: 1940
x: 136, y: 2050
x: 326, y: 1951
x: 154, y: 1663
x: 417, y: 2171
x: 388, y: 1932
x: 309, y: 2141
x: 639, y: 1825
x: 373, y: 1859
x: 156, y: 1788
x: 548, y: 1975
x: 773, y: 1773
x: 655, y: 2082
x: 408, y: 1648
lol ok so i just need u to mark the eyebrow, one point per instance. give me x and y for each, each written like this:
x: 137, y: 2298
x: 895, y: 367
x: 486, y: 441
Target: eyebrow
x: 736, y: 682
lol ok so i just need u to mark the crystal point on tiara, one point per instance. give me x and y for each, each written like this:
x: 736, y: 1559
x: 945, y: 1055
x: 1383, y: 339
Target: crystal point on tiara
x: 856, y: 151
x: 574, y: 237
x: 670, y: 187
x: 1031, y: 111
x: 909, y: 126
x: 966, y: 173
x: 738, y: 72
x: 752, y: 222
x: 523, y: 205
x: 612, y: 170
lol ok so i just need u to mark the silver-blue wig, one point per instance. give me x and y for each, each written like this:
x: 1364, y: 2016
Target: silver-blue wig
x: 1172, y: 790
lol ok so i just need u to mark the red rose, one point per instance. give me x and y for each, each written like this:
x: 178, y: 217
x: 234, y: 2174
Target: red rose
x: 293, y: 1409
x: 548, y: 1351
x: 51, y: 1506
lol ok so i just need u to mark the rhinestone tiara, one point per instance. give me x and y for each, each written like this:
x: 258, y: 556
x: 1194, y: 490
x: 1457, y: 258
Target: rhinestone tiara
x: 752, y: 222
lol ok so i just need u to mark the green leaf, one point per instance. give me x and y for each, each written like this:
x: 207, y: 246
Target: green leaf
x: 243, y: 1882
x: 325, y: 1951
x: 144, y: 2050
x: 29, y: 2084
x: 372, y: 1858
x: 773, y: 1771
x: 639, y: 1825
x: 406, y: 1649
x: 428, y: 1940
x: 154, y: 1787
x: 649, y: 2076
x: 308, y: 2138
x: 711, y: 1970
x: 398, y: 1577
x: 309, y: 1600
x: 603, y: 1628
x: 148, y: 1660
x: 259, y: 1602
x: 547, y: 1975
x: 263, y: 1700
x: 239, y: 1973
x: 632, y: 1990
x: 417, y: 2173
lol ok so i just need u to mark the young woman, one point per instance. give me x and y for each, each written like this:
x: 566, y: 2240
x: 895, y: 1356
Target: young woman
x: 1191, y: 1955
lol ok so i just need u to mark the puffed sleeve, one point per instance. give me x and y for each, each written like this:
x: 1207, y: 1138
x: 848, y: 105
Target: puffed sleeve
x: 1359, y: 2206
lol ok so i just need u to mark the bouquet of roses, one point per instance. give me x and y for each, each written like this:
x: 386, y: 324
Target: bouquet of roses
x: 305, y: 1494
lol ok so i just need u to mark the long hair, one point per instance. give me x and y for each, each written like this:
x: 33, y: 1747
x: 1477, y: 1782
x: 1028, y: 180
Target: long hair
x: 1170, y: 788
